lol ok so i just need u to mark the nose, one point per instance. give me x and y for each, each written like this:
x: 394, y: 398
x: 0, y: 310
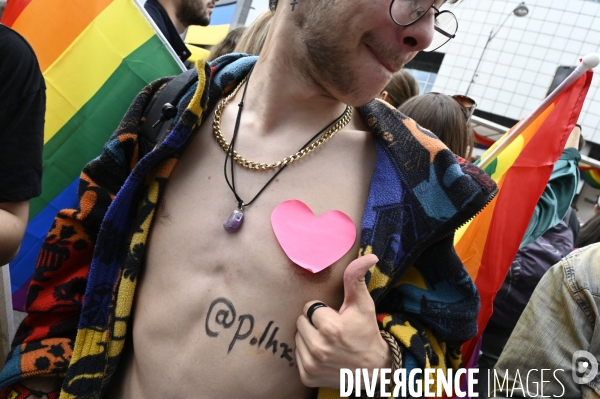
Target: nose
x: 418, y: 36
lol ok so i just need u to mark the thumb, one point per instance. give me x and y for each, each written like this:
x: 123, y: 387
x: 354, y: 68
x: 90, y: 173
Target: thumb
x: 356, y: 293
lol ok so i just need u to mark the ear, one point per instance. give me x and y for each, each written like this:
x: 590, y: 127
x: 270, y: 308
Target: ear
x: 596, y: 209
x: 385, y: 96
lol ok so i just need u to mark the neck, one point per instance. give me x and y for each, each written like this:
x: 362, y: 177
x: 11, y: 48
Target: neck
x: 171, y: 9
x: 281, y: 95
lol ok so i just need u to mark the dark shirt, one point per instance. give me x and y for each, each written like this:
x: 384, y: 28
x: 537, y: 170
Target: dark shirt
x: 22, y: 109
x: 573, y: 223
x: 164, y: 23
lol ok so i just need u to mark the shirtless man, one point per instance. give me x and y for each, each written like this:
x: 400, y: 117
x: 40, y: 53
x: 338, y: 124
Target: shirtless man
x: 225, y: 313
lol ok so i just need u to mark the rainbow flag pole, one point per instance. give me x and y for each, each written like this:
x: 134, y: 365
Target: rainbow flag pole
x: 95, y: 55
x: 520, y: 163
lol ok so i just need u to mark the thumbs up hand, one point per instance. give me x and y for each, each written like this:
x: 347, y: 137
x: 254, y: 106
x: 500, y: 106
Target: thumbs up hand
x: 329, y: 340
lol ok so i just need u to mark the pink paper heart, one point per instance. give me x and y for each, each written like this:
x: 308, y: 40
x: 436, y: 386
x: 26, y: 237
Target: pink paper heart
x: 313, y: 243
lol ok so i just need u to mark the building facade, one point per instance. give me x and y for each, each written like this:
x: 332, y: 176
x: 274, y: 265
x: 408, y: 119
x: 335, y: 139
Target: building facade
x: 521, y: 61
x: 526, y: 57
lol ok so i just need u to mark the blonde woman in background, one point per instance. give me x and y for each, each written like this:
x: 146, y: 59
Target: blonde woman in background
x: 249, y: 40
x: 253, y: 39
x: 227, y: 44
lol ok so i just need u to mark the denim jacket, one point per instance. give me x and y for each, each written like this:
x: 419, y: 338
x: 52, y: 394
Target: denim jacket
x: 561, y: 319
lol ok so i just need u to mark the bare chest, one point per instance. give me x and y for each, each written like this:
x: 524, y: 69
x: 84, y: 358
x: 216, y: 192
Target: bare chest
x: 219, y: 305
x: 199, y: 199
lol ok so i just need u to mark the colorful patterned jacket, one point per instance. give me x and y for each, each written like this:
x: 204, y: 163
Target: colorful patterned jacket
x: 80, y: 299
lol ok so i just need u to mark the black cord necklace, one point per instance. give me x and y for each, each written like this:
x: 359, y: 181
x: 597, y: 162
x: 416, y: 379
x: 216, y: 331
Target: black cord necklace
x: 233, y: 223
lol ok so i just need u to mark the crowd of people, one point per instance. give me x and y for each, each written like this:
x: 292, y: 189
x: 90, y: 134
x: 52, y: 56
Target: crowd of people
x: 170, y: 284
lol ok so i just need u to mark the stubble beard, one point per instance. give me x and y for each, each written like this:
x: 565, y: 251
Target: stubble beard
x: 326, y: 57
x: 328, y: 63
x: 329, y: 57
x: 193, y: 12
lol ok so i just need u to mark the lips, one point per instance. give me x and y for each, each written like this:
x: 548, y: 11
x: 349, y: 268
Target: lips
x: 382, y: 60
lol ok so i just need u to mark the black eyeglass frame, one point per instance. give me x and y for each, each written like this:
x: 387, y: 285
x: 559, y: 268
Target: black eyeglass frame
x: 437, y: 28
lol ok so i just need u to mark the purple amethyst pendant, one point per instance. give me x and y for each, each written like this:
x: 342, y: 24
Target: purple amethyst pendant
x: 234, y: 222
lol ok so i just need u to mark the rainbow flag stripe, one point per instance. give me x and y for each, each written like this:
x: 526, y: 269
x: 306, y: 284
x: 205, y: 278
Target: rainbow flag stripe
x: 590, y: 175
x: 482, y: 142
x: 488, y: 244
x: 95, y: 55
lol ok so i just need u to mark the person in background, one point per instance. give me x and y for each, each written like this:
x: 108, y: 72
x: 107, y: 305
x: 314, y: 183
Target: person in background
x: 253, y: 39
x: 22, y: 109
x: 557, y: 333
x: 556, y: 200
x: 529, y: 266
x: 227, y: 44
x: 572, y: 219
x: 535, y: 256
x: 173, y: 17
x: 401, y: 87
x: 443, y: 116
x: 590, y: 231
x: 448, y: 118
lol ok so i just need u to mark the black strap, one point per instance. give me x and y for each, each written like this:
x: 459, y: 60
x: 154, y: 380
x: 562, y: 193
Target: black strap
x: 156, y: 125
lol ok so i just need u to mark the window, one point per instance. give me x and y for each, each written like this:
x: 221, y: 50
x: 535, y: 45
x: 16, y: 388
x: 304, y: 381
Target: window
x: 425, y: 67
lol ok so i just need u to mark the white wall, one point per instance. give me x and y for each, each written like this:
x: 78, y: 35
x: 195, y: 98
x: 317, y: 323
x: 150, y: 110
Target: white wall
x: 520, y: 62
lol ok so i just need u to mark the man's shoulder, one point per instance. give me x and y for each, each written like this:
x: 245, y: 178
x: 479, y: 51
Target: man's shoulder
x: 404, y: 137
x: 19, y: 69
x: 582, y: 267
x: 16, y: 46
x: 10, y: 37
x: 446, y: 188
x: 158, y: 15
x: 153, y: 7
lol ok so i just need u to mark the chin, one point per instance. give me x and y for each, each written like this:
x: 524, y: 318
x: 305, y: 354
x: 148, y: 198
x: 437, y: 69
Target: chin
x: 361, y: 97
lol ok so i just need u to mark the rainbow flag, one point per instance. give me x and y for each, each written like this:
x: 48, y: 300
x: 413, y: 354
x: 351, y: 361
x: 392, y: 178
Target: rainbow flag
x: 95, y: 55
x: 482, y: 142
x: 488, y: 244
x: 590, y: 175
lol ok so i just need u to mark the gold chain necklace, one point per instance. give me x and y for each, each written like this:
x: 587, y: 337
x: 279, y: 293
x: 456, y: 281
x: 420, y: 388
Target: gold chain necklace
x: 233, y: 223
x: 339, y: 125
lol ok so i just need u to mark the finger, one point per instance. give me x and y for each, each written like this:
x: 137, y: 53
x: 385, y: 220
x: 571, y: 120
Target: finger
x: 319, y: 315
x: 306, y: 331
x: 355, y: 290
x: 301, y: 352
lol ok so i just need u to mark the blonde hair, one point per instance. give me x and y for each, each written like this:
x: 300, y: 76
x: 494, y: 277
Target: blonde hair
x: 253, y: 39
x: 227, y: 44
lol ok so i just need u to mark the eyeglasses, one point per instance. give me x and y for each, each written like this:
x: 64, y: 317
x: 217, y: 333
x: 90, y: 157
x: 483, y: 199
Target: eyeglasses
x: 407, y: 12
x: 468, y: 104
